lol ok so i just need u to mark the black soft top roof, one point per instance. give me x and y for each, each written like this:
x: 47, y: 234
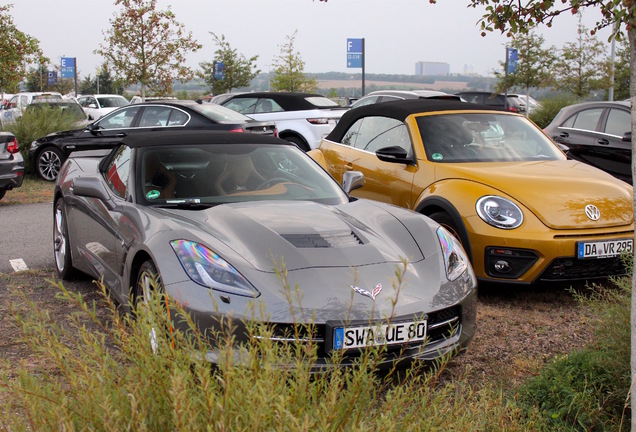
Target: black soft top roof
x: 197, y: 137
x: 400, y: 110
x: 289, y: 101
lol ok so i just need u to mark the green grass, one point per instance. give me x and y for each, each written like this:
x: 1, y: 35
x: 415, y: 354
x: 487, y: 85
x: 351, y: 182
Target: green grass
x: 33, y: 190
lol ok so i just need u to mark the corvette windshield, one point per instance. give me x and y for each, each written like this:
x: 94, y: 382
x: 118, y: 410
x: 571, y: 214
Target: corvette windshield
x: 484, y: 138
x: 197, y: 176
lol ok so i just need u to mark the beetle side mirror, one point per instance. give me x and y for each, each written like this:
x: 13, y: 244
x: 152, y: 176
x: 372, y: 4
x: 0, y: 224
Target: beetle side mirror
x: 394, y: 154
x: 627, y: 137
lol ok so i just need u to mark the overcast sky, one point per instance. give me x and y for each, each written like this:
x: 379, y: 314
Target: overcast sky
x: 397, y: 33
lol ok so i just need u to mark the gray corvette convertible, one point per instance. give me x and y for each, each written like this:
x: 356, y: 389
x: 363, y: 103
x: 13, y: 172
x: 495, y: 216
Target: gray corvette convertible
x: 213, y: 215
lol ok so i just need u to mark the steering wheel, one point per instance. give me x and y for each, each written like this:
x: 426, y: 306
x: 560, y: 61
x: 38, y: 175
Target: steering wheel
x: 271, y: 182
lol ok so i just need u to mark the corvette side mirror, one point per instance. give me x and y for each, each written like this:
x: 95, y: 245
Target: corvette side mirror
x: 91, y: 187
x: 352, y: 180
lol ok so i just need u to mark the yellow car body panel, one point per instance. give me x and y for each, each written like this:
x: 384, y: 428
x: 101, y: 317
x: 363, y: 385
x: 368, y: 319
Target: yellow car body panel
x: 552, y: 195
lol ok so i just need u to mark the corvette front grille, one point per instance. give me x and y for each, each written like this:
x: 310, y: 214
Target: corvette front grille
x: 442, y: 325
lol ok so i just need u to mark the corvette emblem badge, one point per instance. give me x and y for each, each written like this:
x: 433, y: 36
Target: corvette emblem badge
x: 592, y: 212
x: 364, y: 292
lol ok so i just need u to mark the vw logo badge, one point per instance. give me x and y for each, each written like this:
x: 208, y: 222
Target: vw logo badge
x: 592, y: 212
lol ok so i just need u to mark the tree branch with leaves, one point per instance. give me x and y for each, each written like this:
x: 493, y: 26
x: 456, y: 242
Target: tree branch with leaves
x: 289, y: 70
x: 17, y: 50
x: 239, y: 70
x: 147, y: 46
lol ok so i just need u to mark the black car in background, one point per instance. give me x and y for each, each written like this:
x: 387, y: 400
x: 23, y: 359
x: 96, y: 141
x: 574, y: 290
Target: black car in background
x: 11, y: 163
x: 511, y: 102
x: 597, y: 133
x: 49, y: 152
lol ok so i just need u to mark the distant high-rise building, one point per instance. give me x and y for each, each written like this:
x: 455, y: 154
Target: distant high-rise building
x: 432, y: 68
x: 469, y: 69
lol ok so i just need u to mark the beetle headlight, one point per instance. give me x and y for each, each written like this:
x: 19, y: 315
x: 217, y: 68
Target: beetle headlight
x: 455, y: 259
x: 499, y: 212
x: 210, y: 270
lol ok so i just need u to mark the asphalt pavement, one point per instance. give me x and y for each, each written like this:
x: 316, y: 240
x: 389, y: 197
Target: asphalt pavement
x: 26, y: 237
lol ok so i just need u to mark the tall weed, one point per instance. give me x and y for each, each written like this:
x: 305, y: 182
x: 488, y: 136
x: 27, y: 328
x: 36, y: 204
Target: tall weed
x: 138, y: 372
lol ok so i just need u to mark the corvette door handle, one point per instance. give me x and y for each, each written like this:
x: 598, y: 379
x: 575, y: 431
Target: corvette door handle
x: 564, y: 135
x: 120, y: 135
x: 602, y: 141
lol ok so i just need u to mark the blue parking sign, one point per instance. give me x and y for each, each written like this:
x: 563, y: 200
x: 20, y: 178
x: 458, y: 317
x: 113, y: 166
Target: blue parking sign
x: 68, y: 67
x: 355, y: 52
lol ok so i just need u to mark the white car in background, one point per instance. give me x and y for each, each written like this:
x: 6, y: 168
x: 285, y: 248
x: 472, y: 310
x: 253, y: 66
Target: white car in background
x: 18, y: 103
x: 392, y: 95
x: 302, y: 118
x: 96, y: 106
x: 531, y: 103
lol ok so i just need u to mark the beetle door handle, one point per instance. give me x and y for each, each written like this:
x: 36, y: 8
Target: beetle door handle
x: 120, y: 135
x: 602, y: 141
x: 348, y: 167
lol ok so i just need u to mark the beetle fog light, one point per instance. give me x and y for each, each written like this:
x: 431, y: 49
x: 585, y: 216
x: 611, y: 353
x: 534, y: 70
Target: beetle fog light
x: 503, y: 266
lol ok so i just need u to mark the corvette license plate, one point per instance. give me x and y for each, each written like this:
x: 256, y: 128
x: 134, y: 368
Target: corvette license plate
x: 604, y: 249
x: 385, y: 334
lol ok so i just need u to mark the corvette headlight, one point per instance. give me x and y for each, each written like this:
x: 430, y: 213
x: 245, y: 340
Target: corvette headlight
x: 210, y: 270
x: 499, y: 212
x: 455, y: 259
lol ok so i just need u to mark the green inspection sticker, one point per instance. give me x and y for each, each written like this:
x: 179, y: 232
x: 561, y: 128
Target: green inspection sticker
x: 437, y: 156
x: 153, y: 194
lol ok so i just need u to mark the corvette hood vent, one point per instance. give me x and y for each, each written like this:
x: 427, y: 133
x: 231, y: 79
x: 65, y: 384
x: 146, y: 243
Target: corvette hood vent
x: 324, y: 240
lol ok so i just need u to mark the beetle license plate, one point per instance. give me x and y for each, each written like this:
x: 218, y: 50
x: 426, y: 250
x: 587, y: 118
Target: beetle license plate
x: 604, y: 249
x: 385, y: 334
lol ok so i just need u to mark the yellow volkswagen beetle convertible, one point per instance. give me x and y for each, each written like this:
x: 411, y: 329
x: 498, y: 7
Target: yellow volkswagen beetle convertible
x: 523, y: 212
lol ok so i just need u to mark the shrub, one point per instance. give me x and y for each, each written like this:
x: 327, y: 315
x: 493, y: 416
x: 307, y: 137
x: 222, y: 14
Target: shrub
x: 34, y: 124
x: 589, y: 389
x: 549, y: 108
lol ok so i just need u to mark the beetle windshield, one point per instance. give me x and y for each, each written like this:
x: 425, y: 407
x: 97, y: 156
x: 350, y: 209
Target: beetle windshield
x: 476, y: 137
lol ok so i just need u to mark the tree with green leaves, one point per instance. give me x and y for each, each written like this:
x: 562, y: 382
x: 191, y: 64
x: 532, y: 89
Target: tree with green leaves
x: 288, y: 73
x: 36, y: 79
x: 17, y: 50
x: 239, y: 71
x: 577, y: 66
x: 534, y: 65
x: 513, y: 17
x: 148, y: 46
x: 103, y: 82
